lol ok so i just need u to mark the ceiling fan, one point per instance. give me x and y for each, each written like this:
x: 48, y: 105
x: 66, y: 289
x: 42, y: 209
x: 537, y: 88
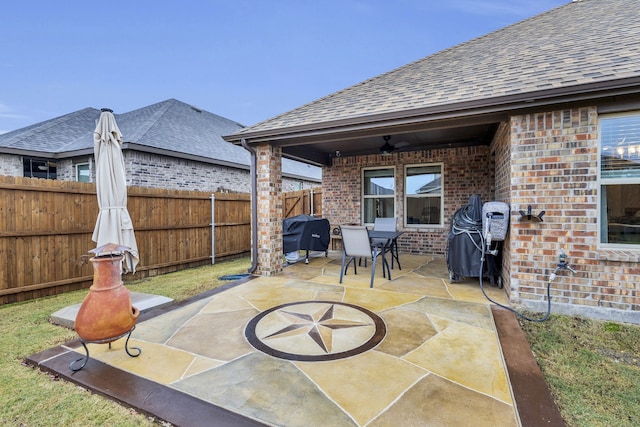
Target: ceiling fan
x: 388, y: 148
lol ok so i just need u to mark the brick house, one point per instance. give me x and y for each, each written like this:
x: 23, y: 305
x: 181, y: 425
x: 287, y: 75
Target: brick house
x: 169, y: 144
x: 543, y: 113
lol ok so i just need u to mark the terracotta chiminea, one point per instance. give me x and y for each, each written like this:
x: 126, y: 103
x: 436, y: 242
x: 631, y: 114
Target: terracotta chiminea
x: 106, y: 313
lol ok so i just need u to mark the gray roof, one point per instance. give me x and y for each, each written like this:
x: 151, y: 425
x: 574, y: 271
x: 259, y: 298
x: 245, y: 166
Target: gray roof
x: 170, y: 128
x: 574, y: 47
x: 51, y: 136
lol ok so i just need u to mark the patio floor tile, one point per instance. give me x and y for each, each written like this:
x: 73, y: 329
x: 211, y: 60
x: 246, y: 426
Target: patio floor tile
x: 445, y: 403
x: 300, y: 349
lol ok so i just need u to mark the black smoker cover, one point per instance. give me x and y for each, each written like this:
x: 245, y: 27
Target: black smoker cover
x: 304, y: 232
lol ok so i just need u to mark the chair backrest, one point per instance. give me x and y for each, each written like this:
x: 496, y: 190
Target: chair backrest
x: 355, y: 240
x: 385, y: 224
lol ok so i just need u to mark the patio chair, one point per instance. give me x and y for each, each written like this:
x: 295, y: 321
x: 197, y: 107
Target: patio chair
x: 356, y: 244
x: 387, y: 224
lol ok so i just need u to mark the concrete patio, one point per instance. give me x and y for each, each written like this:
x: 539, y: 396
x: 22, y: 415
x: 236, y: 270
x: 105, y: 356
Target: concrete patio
x: 301, y: 349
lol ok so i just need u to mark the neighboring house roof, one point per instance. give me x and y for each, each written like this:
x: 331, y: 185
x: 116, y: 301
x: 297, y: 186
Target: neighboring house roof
x: 431, y: 187
x: 170, y: 128
x: 571, y: 52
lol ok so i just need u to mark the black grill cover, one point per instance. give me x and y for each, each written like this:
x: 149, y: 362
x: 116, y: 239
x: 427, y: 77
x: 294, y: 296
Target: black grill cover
x: 464, y: 252
x: 304, y: 232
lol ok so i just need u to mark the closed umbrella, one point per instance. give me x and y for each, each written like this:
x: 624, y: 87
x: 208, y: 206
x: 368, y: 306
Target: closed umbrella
x: 114, y: 224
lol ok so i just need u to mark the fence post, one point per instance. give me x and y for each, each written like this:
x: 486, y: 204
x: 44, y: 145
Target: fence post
x: 313, y: 213
x: 213, y: 229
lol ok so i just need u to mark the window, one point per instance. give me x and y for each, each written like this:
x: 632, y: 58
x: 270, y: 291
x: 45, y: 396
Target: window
x: 378, y: 194
x: 620, y: 180
x: 39, y: 168
x: 82, y: 172
x: 423, y: 195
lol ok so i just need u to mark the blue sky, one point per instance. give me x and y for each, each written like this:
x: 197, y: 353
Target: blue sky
x: 246, y: 60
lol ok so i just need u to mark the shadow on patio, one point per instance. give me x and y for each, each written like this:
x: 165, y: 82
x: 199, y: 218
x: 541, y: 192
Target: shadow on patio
x: 300, y: 349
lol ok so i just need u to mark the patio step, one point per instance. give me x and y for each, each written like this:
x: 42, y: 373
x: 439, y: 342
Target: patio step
x: 144, y: 302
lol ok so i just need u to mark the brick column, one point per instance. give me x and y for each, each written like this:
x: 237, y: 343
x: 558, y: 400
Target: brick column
x: 269, y: 175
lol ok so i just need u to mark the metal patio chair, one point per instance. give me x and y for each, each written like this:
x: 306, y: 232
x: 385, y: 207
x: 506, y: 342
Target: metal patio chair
x: 356, y: 244
x: 387, y: 224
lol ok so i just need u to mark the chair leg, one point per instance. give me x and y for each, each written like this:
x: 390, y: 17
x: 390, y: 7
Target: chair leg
x: 382, y: 252
x: 394, y: 251
x: 385, y: 263
x: 345, y: 267
x: 373, y: 270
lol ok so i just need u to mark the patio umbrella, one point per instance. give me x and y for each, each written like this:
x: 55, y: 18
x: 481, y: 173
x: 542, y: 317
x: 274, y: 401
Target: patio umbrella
x: 114, y: 224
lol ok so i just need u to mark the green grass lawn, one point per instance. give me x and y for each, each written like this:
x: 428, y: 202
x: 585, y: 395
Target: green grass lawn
x: 30, y: 397
x: 592, y: 367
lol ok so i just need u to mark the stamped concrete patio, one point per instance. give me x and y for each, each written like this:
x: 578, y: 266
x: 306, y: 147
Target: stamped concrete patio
x: 301, y: 349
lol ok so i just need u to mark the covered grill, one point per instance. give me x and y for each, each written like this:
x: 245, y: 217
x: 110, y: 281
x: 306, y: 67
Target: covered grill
x: 304, y: 233
x: 466, y: 245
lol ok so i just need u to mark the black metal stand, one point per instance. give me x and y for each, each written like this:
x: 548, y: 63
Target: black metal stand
x: 85, y: 358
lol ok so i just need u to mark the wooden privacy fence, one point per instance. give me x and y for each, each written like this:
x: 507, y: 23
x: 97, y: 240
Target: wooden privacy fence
x: 302, y: 202
x: 46, y: 228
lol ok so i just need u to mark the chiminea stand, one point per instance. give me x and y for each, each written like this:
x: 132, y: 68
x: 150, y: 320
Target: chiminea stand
x: 85, y: 358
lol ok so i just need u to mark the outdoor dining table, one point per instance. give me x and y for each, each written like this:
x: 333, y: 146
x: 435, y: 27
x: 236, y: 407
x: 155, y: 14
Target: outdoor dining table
x: 391, y: 244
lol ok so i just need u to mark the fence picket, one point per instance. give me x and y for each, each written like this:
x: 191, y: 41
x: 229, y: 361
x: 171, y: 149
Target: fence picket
x: 46, y: 228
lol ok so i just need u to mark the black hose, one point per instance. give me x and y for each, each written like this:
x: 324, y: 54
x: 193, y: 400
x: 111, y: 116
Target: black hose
x: 463, y: 223
x: 517, y: 313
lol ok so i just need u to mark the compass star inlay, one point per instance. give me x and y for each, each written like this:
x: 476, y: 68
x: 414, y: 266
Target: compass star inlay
x: 315, y: 330
x: 319, y: 325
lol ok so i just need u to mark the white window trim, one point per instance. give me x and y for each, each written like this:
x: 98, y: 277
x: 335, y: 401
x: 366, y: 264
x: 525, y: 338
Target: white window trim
x: 424, y: 226
x: 378, y: 196
x: 610, y: 181
x: 77, y: 171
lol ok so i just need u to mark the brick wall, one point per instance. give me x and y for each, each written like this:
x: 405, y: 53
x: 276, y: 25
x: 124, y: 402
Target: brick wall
x: 157, y: 171
x: 11, y: 165
x: 66, y: 169
x: 467, y: 171
x: 554, y: 160
x: 501, y: 149
x: 152, y: 170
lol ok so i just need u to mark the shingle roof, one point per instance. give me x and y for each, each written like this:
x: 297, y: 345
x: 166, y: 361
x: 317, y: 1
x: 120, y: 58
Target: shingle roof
x: 171, y: 126
x: 583, y: 42
x: 52, y: 136
x: 175, y: 126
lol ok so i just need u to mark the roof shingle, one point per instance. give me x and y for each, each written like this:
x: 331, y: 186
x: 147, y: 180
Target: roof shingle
x: 582, y: 42
x: 170, y: 125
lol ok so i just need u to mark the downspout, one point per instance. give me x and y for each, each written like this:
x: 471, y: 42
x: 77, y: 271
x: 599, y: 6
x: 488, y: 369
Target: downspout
x: 254, y: 206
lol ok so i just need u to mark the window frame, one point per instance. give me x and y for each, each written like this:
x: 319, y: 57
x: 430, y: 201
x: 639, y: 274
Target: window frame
x: 364, y: 196
x: 604, y: 181
x: 77, y: 168
x: 50, y: 165
x: 407, y: 196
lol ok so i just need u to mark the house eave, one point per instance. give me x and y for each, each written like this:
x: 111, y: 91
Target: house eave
x: 30, y: 153
x: 496, y: 106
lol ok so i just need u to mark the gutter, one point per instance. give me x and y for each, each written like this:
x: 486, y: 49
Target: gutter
x: 254, y: 206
